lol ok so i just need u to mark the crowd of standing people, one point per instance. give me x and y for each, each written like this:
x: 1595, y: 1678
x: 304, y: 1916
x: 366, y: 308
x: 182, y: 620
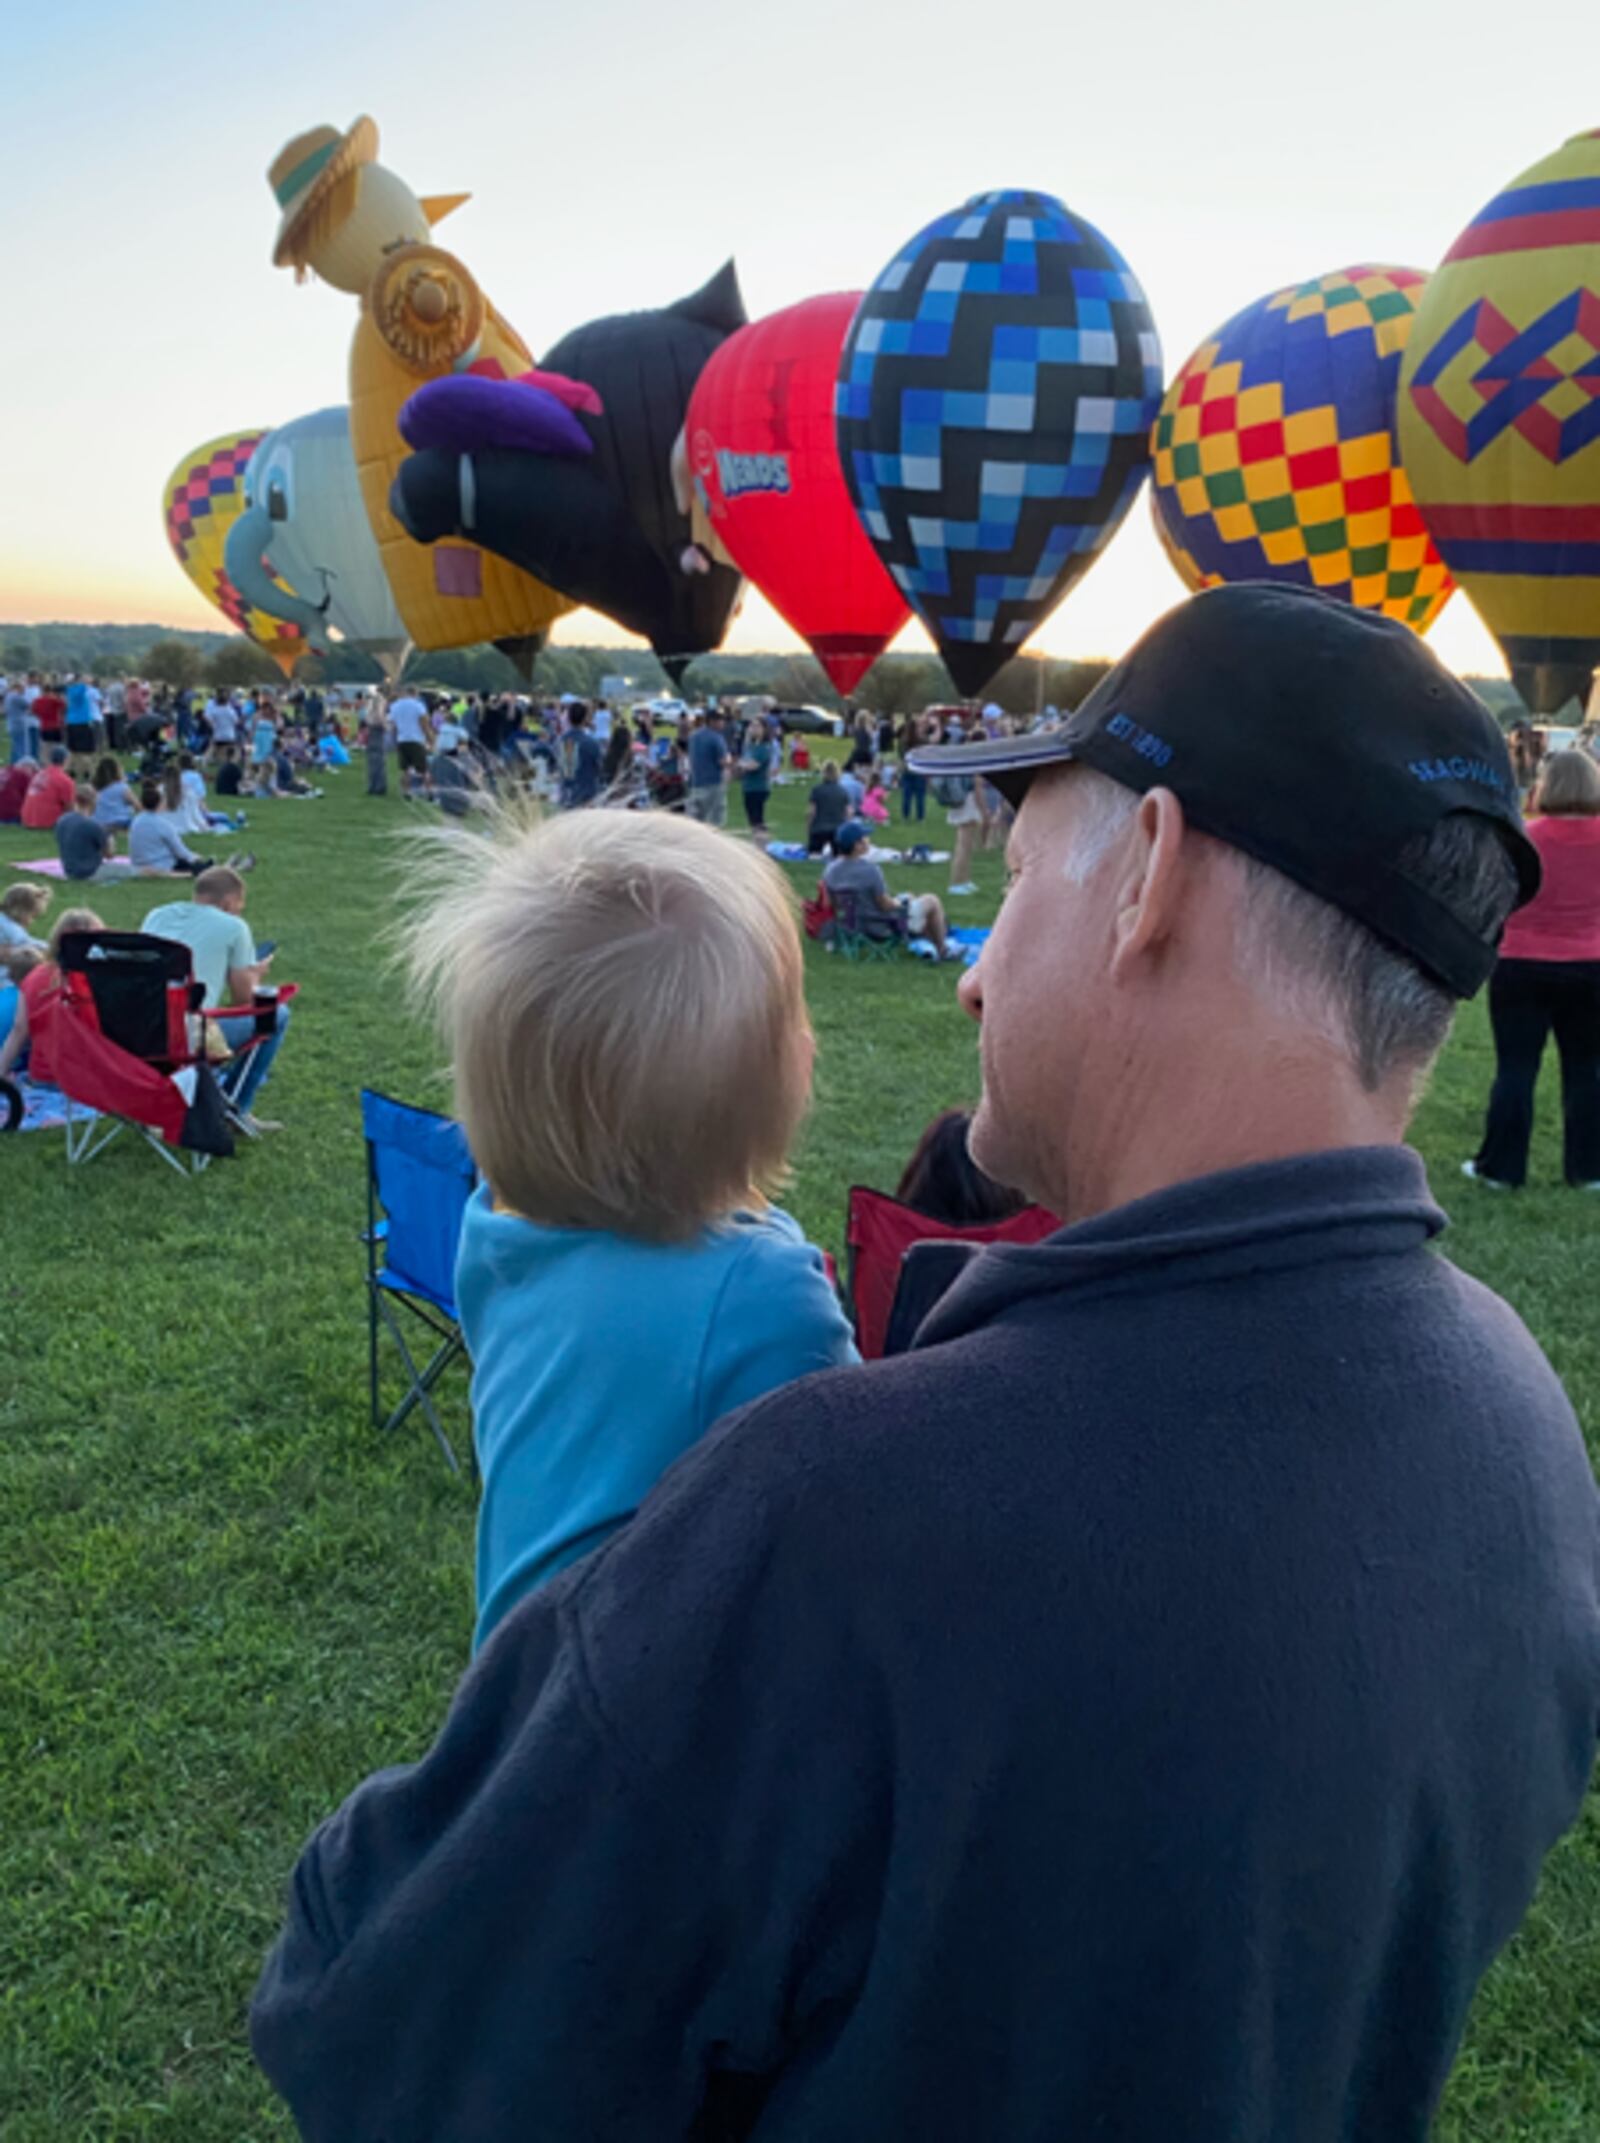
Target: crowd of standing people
x: 460, y: 750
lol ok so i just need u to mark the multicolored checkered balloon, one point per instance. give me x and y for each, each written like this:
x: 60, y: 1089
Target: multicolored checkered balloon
x: 1275, y: 450
x: 994, y: 403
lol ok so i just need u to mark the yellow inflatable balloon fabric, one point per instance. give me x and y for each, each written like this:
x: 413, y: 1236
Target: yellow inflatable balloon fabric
x: 1499, y: 420
x: 359, y: 226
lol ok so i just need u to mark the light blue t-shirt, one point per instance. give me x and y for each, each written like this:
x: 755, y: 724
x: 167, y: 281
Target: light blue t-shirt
x: 598, y: 1361
x: 155, y: 845
x: 115, y: 805
x: 219, y: 943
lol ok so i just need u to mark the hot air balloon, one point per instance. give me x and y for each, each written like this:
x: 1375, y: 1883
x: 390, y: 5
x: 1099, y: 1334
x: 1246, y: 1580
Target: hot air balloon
x: 764, y: 462
x: 1186, y: 568
x: 1275, y: 455
x: 1500, y: 420
x: 567, y: 470
x: 360, y: 227
x: 994, y: 403
x: 201, y: 500
x: 303, y: 549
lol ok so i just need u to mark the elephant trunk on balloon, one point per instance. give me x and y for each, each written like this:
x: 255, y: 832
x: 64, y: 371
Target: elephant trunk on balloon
x: 244, y: 557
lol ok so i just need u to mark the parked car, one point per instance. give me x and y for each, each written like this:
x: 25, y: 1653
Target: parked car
x: 1555, y: 736
x: 813, y: 721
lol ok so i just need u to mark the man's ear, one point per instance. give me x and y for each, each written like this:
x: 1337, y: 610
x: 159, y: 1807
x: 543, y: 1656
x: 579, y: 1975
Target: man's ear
x: 1148, y: 890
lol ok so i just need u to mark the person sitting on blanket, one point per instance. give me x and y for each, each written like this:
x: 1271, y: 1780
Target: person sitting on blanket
x: 581, y: 969
x: 827, y: 810
x: 855, y: 884
x: 33, y: 1022
x: 226, y: 966
x: 88, y: 851
x: 21, y: 909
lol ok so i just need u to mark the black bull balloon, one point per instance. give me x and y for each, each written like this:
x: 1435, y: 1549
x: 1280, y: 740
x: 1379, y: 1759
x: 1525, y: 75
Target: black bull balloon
x: 606, y: 531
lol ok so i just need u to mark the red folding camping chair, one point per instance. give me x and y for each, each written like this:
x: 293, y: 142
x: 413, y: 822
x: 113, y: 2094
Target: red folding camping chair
x: 127, y: 1036
x: 880, y: 1232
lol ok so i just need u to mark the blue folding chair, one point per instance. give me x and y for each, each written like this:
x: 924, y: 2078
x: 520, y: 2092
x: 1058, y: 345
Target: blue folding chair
x: 420, y: 1175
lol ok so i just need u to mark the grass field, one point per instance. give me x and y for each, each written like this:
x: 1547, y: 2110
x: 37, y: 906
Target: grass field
x: 223, y: 1600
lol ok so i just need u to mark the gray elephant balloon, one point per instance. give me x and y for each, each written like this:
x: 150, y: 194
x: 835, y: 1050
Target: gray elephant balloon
x: 305, y: 522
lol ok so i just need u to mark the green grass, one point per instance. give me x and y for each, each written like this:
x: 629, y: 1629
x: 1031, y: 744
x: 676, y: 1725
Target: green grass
x: 223, y: 1600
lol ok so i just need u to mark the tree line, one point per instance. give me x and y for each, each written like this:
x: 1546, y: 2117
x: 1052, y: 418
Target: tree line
x: 897, y: 684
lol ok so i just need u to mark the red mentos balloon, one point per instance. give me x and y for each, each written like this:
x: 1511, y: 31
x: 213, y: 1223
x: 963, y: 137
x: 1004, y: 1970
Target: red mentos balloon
x: 765, y: 466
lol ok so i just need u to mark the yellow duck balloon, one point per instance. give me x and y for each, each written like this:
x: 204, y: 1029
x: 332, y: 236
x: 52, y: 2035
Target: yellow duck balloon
x: 356, y: 224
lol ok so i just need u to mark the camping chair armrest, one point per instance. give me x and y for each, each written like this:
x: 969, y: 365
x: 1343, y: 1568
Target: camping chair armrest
x: 286, y: 990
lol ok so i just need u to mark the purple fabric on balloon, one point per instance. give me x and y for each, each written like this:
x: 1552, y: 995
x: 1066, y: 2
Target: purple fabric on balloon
x: 466, y: 413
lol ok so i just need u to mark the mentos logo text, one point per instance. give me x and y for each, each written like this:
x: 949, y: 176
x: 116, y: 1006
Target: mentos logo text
x: 1144, y: 741
x: 740, y: 473
x: 1478, y: 770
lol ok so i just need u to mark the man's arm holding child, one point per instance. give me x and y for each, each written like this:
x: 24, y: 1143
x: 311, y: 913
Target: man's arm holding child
x: 625, y: 1883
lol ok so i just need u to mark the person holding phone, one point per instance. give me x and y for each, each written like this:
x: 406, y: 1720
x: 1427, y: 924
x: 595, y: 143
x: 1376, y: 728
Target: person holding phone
x: 231, y: 970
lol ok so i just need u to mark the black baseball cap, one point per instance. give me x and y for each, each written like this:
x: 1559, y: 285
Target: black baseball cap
x: 1316, y: 737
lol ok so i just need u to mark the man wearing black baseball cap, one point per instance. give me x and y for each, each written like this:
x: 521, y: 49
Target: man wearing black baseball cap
x: 1142, y: 1709
x: 1324, y: 741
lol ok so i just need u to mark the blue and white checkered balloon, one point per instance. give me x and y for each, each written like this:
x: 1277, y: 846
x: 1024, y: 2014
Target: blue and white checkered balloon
x: 995, y: 398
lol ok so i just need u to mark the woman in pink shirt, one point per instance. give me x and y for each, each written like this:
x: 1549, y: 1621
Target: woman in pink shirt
x: 1547, y: 982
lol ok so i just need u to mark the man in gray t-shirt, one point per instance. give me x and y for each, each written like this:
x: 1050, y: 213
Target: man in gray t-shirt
x: 862, y: 900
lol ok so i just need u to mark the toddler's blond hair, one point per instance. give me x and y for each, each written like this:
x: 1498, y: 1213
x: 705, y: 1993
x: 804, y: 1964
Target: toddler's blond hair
x: 24, y: 903
x: 622, y: 993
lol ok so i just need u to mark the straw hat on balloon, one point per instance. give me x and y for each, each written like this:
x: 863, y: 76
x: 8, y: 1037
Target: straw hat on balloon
x: 313, y: 179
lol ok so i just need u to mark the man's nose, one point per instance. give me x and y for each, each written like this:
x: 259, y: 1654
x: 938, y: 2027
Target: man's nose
x: 969, y: 990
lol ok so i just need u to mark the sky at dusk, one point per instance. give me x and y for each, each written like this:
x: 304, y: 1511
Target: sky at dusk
x: 618, y: 152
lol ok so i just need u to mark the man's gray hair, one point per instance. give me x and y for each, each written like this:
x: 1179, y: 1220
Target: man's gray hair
x: 1321, y: 967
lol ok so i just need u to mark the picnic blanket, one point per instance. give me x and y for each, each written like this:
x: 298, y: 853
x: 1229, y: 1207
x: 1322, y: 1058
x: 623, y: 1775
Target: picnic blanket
x: 795, y: 852
x: 45, y: 867
x: 45, y: 1108
x: 972, y: 941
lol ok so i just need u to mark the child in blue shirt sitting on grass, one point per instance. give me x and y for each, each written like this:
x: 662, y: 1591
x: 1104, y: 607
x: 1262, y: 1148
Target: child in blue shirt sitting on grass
x: 624, y: 1000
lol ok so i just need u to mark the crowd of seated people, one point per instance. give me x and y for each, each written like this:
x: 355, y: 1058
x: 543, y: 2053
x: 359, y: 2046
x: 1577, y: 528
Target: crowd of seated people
x: 156, y: 814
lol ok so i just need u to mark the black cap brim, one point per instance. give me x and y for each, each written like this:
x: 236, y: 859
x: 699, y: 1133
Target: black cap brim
x: 1008, y: 764
x: 1320, y: 739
